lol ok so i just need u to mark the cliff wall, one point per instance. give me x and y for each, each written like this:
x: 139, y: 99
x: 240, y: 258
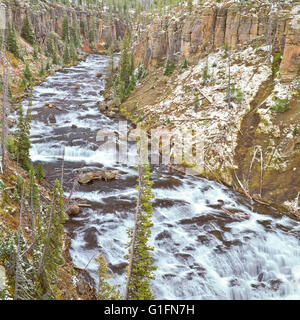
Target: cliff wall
x: 211, y: 26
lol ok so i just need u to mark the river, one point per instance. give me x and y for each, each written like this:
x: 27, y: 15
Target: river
x: 200, y: 251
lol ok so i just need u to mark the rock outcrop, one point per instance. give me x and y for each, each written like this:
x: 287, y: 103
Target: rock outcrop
x: 290, y: 66
x: 211, y: 26
x: 48, y: 17
x: 251, y: 143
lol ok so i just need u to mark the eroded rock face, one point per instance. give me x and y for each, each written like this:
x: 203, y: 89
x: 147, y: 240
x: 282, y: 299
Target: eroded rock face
x: 47, y: 18
x: 211, y: 27
x: 290, y: 65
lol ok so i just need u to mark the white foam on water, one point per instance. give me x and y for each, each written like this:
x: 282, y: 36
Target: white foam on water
x: 200, y: 251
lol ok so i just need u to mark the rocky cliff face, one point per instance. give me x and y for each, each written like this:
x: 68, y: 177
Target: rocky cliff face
x: 212, y: 26
x: 253, y: 142
x: 47, y: 17
x: 290, y: 65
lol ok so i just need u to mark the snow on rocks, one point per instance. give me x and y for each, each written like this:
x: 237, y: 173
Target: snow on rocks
x: 2, y: 278
x: 215, y: 123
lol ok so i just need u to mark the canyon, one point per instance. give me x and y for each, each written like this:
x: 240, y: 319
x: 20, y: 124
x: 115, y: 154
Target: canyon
x: 224, y: 228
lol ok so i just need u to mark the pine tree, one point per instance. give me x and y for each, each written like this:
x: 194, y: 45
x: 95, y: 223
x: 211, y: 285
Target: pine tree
x: 92, y: 34
x: 33, y: 191
x: 27, y: 32
x: 23, y: 144
x: 51, y: 238
x: 48, y: 65
x: 169, y: 67
x: 110, y: 70
x: 49, y: 46
x: 190, y: 5
x: 75, y: 34
x: 39, y: 172
x: 58, y: 220
x: 42, y: 71
x: 124, y: 64
x: 121, y: 91
x: 27, y: 73
x: 11, y: 41
x: 20, y: 185
x: 132, y: 84
x: 55, y: 59
x: 185, y: 64
x: 83, y: 27
x: 196, y: 101
x: 35, y: 53
x: 30, y: 95
x: 65, y: 29
x: 67, y: 54
x: 141, y: 264
x: 105, y: 290
x: 205, y: 73
x: 73, y: 52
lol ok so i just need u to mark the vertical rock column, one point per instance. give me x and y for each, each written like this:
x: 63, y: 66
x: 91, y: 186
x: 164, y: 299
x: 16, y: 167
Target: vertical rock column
x: 290, y: 65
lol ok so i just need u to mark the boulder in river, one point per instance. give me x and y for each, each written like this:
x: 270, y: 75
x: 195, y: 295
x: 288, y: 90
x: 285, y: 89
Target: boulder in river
x: 111, y: 114
x: 102, y: 106
x: 77, y: 86
x: 87, y: 177
x: 99, y: 75
x: 73, y: 210
x: 51, y: 105
x: 52, y: 118
x: 110, y: 175
x: 74, y: 126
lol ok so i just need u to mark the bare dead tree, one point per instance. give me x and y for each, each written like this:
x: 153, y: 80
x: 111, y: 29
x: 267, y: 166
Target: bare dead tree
x: 5, y: 78
x: 257, y: 149
x: 41, y: 263
x: 18, y: 247
x: 67, y: 203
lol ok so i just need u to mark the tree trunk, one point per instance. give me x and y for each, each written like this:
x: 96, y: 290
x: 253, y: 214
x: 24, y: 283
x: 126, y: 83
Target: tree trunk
x: 47, y: 238
x: 5, y: 77
x: 18, y: 247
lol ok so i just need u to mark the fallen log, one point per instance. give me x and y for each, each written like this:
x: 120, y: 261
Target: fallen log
x: 84, y: 205
x: 239, y: 215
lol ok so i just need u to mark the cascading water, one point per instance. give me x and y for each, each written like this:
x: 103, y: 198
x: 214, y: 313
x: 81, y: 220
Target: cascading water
x: 200, y: 251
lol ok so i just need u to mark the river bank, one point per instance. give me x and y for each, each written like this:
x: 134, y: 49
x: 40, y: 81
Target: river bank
x: 202, y: 252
